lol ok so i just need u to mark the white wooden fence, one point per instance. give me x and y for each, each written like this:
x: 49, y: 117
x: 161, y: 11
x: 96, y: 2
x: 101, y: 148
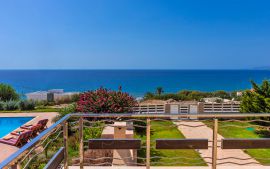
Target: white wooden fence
x: 221, y: 107
x: 159, y: 108
x: 185, y: 108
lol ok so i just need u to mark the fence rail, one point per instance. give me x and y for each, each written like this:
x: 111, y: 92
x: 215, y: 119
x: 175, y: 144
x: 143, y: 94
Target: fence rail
x: 221, y: 107
x: 157, y: 108
x: 76, y: 127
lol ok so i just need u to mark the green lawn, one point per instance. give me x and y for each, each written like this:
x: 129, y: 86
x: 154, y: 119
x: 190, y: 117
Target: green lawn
x: 28, y: 111
x: 159, y: 129
x: 245, y: 131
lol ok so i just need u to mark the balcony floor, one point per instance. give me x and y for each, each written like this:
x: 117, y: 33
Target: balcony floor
x: 164, y: 167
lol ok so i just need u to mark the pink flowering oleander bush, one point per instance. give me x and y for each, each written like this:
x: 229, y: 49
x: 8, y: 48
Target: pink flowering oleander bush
x: 105, y: 101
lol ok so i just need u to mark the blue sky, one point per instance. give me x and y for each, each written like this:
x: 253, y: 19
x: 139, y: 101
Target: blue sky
x: 134, y: 34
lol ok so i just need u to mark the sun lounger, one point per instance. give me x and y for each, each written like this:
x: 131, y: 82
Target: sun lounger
x: 17, y: 141
x: 34, y: 129
x: 41, y: 125
x: 18, y: 132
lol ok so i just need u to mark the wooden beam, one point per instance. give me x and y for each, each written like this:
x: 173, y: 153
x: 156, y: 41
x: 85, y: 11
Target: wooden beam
x: 114, y: 144
x: 245, y: 143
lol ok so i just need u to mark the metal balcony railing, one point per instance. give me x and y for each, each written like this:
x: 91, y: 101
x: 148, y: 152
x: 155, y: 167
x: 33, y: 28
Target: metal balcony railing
x: 78, y: 139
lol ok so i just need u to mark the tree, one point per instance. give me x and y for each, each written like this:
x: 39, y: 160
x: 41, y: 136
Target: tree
x: 258, y: 99
x: 159, y: 90
x: 105, y: 101
x: 149, y: 95
x: 7, y: 93
x: 263, y: 90
x: 221, y: 94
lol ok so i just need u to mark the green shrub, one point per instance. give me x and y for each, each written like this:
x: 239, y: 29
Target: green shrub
x: 63, y: 100
x: 75, y: 97
x: 94, y: 131
x: 7, y: 93
x: 2, y: 104
x: 257, y: 100
x: 73, y: 142
x: 67, y: 99
x: 140, y: 127
x: 44, y: 103
x: 41, y: 166
x: 188, y: 95
x: 27, y: 105
x: 11, y: 105
x: 64, y: 111
x: 41, y: 103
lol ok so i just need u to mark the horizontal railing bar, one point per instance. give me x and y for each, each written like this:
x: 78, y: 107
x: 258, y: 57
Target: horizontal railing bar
x: 114, y: 144
x: 245, y: 143
x: 56, y: 160
x: 201, y: 115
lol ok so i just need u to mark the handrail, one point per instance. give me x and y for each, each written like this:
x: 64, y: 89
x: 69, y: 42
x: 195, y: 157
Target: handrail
x: 200, y: 115
x: 18, y: 153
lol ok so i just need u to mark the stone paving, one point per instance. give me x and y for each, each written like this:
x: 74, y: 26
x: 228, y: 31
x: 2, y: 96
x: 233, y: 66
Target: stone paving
x: 224, y: 156
x: 7, y: 150
x: 169, y: 167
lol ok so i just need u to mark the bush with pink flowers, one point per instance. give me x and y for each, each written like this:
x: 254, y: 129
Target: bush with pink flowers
x: 105, y: 101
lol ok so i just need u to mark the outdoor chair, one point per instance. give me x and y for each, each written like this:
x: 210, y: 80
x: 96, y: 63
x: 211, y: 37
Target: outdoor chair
x: 41, y: 124
x: 34, y: 129
x: 18, y: 141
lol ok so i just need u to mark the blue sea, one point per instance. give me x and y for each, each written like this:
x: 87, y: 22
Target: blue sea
x: 136, y: 82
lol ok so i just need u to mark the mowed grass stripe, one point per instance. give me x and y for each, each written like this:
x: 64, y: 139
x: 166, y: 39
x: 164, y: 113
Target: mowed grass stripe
x: 165, y: 129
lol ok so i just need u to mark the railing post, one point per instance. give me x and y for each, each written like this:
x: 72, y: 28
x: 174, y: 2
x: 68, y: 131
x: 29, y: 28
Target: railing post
x: 214, y: 144
x: 15, y: 166
x: 148, y: 143
x: 81, y: 142
x: 65, y: 133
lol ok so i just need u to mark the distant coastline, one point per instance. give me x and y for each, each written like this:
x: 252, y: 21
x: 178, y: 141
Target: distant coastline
x: 262, y: 68
x: 136, y: 82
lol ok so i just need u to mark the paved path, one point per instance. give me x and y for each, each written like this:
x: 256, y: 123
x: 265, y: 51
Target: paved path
x: 206, y: 132
x: 7, y: 150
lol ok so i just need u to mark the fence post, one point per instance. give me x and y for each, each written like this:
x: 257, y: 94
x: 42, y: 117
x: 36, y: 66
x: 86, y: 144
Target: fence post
x: 65, y: 134
x: 148, y: 143
x: 214, y: 144
x: 81, y: 142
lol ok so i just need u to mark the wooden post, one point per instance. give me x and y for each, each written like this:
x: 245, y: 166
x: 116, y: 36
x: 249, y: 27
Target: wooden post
x: 81, y: 142
x: 148, y: 143
x: 15, y: 166
x: 65, y: 134
x: 214, y: 145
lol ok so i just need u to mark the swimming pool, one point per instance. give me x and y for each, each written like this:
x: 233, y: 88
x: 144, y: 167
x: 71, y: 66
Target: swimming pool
x: 8, y: 124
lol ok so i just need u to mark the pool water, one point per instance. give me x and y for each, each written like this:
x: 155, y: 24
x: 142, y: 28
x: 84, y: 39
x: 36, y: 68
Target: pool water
x: 8, y: 124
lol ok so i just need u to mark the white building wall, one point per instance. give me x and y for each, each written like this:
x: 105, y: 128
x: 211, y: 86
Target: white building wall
x: 59, y: 96
x: 37, y: 96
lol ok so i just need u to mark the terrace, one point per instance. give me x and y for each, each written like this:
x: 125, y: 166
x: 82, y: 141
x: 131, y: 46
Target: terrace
x: 191, y: 141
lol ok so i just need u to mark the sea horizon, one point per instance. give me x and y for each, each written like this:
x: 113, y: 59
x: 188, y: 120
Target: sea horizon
x: 136, y: 82
x: 60, y: 69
